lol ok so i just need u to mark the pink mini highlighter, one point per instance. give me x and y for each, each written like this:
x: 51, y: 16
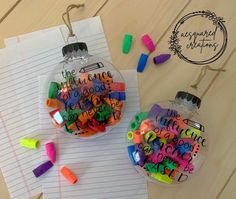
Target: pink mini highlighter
x: 51, y: 151
x: 147, y: 41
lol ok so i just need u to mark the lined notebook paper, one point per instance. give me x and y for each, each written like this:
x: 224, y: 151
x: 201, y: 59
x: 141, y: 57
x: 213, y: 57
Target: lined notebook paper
x: 18, y: 120
x: 102, y: 165
x: 19, y: 116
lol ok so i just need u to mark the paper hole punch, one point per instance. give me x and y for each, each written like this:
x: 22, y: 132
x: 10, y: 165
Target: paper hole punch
x: 167, y: 147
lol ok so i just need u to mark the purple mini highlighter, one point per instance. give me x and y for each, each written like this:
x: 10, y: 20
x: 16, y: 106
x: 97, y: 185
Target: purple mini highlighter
x: 43, y: 168
x: 161, y: 58
x: 155, y: 110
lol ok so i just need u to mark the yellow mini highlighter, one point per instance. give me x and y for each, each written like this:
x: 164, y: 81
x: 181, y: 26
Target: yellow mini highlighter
x: 29, y: 143
x: 130, y: 135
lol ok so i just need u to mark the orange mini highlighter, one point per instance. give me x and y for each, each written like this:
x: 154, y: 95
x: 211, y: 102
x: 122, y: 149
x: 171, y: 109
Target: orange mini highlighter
x: 67, y: 173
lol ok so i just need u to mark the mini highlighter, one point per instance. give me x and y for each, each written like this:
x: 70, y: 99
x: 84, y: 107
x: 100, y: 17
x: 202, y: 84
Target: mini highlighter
x: 43, y: 168
x: 138, y: 137
x: 130, y: 135
x: 142, y: 62
x: 29, y: 143
x: 161, y: 58
x: 147, y: 41
x: 51, y: 151
x: 67, y: 173
x: 127, y: 42
x: 131, y: 150
x: 54, y: 103
x: 53, y: 89
x: 116, y: 87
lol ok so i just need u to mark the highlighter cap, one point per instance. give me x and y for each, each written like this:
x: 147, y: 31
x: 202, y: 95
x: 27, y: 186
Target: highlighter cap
x: 43, y: 168
x: 67, y: 173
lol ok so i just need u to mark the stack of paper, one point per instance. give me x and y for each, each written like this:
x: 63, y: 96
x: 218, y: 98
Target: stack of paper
x: 102, y: 165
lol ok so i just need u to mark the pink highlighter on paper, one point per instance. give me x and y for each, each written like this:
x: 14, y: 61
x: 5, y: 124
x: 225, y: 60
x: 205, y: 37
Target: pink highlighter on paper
x: 51, y: 151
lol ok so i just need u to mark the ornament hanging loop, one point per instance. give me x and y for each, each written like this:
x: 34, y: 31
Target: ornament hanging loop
x: 66, y: 18
x: 203, y: 73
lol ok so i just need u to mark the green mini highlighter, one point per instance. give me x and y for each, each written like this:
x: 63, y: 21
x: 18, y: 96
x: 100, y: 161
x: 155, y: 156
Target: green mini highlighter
x: 127, y: 42
x: 53, y: 90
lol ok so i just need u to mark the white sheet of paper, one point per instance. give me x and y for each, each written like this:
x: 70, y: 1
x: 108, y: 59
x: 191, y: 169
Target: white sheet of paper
x: 20, y: 67
x: 28, y: 58
x: 102, y: 165
x: 19, y: 115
